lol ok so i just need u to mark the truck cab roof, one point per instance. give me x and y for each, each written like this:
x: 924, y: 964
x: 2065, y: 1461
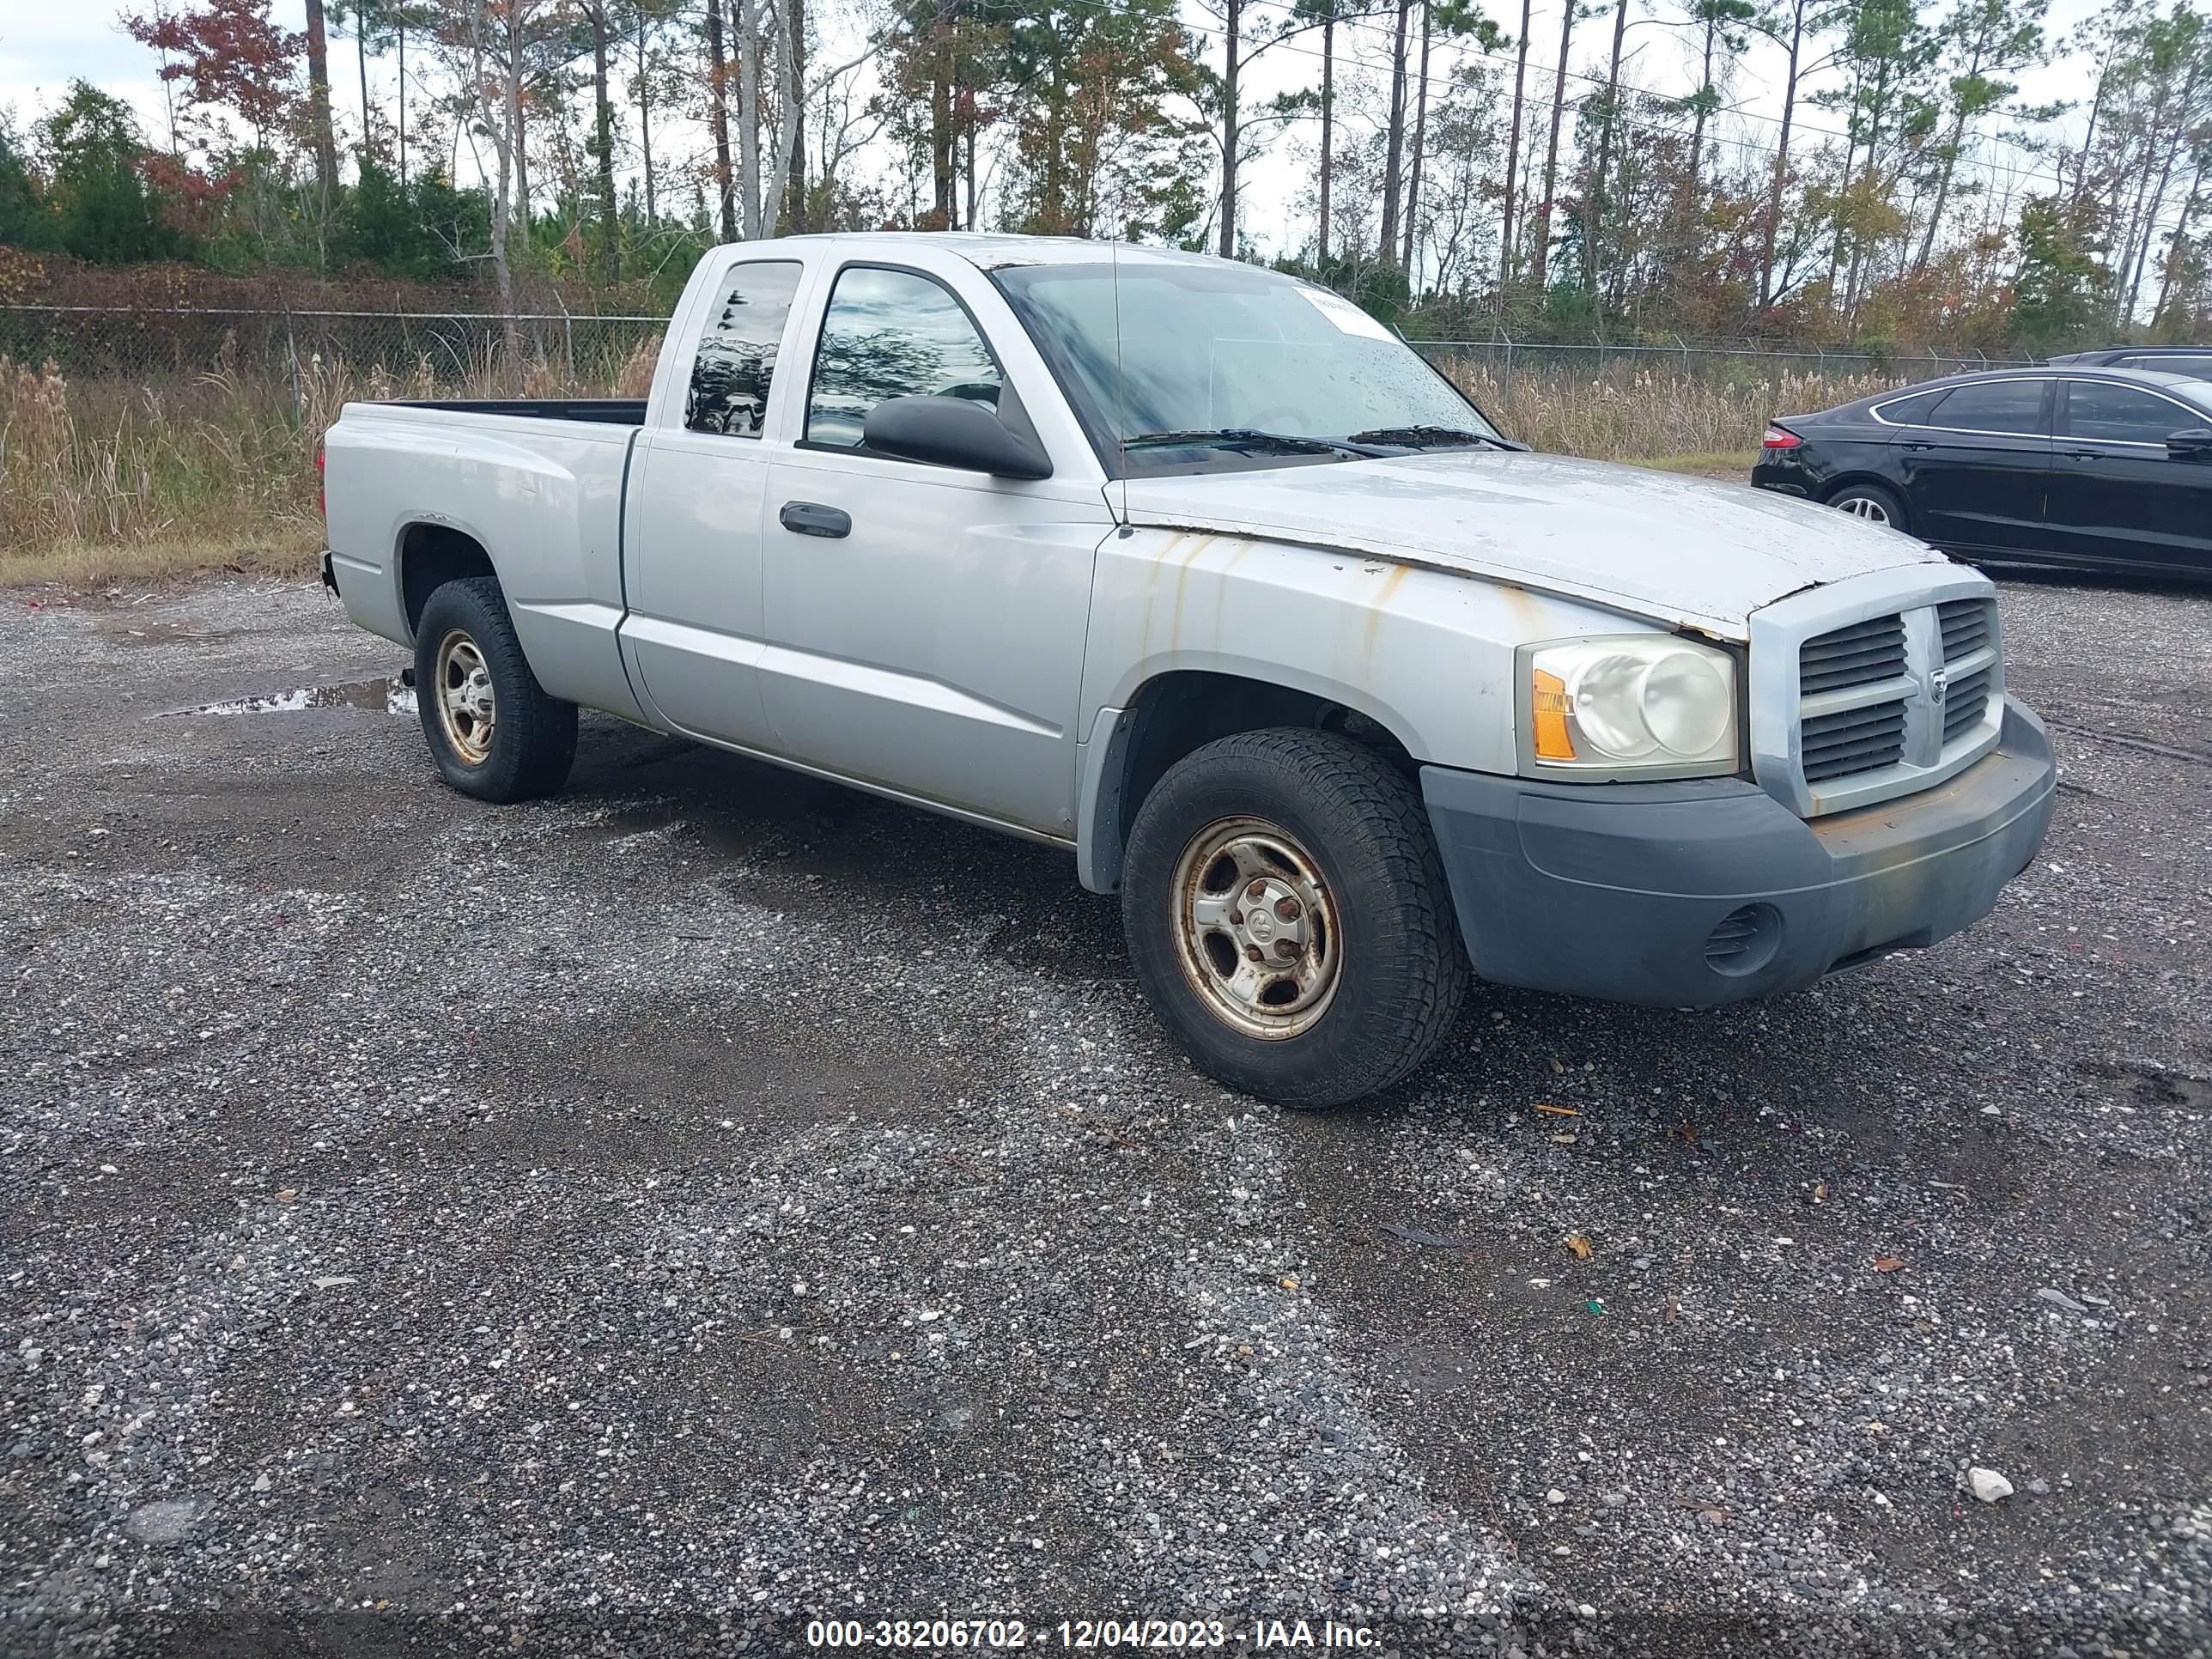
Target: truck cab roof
x: 988, y: 250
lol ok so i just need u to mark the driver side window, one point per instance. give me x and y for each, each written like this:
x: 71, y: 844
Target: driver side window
x: 2120, y: 414
x: 892, y: 334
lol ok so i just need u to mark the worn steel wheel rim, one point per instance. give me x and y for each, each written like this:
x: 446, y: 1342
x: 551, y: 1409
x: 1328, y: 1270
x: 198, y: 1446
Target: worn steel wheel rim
x: 1256, y: 929
x: 1864, y: 506
x: 466, y: 708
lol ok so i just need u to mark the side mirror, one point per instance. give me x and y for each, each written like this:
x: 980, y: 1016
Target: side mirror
x: 952, y: 432
x: 2193, y: 444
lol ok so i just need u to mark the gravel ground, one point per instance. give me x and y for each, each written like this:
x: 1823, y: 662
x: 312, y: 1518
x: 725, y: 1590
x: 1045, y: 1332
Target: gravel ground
x: 646, y: 1220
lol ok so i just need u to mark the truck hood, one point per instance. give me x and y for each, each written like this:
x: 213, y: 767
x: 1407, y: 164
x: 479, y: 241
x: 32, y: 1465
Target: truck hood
x: 1657, y: 545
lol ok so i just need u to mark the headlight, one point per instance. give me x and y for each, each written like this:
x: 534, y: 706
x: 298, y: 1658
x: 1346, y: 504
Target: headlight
x: 1636, y: 703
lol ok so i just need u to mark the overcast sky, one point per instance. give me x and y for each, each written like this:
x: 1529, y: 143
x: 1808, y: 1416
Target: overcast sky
x: 43, y: 46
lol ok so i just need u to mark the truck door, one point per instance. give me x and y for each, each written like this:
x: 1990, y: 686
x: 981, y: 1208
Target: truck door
x: 925, y: 624
x: 692, y: 517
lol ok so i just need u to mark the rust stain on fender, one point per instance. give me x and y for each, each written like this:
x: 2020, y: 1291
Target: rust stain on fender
x: 1521, y: 602
x: 1392, y: 581
x: 1198, y: 542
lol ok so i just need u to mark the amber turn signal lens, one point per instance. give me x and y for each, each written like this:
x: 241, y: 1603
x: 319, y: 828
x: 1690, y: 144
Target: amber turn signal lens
x: 1548, y: 702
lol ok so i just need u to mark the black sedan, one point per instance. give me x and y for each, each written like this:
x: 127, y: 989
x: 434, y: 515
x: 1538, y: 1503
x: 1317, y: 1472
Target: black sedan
x: 2110, y: 468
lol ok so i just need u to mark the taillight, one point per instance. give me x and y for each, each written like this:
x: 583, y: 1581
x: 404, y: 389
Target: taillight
x: 322, y: 484
x: 1780, y: 438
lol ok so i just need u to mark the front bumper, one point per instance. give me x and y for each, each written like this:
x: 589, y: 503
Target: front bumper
x: 1709, y: 890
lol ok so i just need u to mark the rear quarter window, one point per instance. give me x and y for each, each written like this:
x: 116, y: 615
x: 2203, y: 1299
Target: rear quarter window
x: 736, y: 360
x: 1911, y: 409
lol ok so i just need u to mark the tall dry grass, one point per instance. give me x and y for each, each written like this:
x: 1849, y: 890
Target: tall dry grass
x: 101, y: 463
x: 106, y: 473
x: 109, y: 476
x: 1643, y: 413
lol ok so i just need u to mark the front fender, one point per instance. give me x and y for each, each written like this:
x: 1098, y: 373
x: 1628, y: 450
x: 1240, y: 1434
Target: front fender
x: 1425, y: 653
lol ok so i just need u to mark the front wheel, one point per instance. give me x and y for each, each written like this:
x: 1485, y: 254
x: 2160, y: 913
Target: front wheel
x: 1288, y: 917
x: 492, y: 729
x: 1872, y: 502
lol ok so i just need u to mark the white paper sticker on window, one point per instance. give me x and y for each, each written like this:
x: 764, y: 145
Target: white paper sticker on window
x: 1346, y: 315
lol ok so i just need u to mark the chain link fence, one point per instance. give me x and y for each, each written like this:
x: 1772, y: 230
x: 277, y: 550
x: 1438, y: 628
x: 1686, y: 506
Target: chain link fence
x: 1504, y: 357
x: 121, y: 424
x: 1650, y: 402
x: 396, y: 352
x: 476, y: 349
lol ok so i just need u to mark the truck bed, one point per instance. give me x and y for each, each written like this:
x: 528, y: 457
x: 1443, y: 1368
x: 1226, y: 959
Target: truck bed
x: 607, y: 411
x: 538, y: 479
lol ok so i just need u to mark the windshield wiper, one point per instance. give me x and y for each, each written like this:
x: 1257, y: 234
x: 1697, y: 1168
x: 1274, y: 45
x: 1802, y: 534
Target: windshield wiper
x: 1431, y: 437
x: 1244, y: 437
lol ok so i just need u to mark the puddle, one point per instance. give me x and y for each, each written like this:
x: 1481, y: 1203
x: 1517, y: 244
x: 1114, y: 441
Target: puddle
x: 386, y: 695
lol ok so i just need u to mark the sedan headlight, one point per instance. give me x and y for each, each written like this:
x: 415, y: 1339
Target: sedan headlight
x: 1629, y: 705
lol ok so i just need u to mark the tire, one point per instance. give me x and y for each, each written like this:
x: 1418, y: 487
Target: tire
x: 498, y: 736
x: 1336, y: 842
x: 1875, y: 503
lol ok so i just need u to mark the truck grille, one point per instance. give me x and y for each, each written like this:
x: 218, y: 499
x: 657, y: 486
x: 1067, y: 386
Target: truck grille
x: 1861, y: 654
x: 1882, y: 700
x: 1965, y: 627
x: 1966, y: 702
x: 1851, y: 689
x: 1856, y: 740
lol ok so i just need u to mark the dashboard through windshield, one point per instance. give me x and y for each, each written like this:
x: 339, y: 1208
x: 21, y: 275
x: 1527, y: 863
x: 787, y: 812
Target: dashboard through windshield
x: 1178, y: 367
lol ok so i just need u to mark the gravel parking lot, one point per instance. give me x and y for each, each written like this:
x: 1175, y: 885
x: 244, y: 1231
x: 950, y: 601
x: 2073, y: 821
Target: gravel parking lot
x: 647, y: 1219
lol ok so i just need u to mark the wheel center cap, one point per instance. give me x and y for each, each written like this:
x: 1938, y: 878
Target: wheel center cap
x: 1259, y: 922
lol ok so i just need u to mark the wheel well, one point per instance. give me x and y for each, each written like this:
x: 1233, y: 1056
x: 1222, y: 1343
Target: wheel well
x: 1186, y: 710
x: 1836, y: 487
x: 432, y: 554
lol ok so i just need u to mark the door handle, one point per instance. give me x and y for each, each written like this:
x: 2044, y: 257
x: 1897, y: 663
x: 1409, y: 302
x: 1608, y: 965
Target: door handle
x: 808, y: 518
x: 2084, y: 455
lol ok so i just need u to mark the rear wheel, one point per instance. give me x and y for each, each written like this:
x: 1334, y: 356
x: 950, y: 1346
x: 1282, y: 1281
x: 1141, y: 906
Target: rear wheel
x: 1288, y: 917
x: 1872, y: 502
x: 492, y: 729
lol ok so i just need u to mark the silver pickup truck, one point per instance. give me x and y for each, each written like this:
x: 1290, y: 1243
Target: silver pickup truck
x: 1198, y: 571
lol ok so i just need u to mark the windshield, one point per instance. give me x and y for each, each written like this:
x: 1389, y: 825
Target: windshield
x: 1229, y: 366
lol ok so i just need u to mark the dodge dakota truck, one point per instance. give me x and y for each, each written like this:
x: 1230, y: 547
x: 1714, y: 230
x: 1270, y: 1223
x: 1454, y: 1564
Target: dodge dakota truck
x: 1199, y: 572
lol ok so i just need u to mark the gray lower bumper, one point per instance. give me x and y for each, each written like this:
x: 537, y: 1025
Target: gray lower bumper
x: 1711, y: 890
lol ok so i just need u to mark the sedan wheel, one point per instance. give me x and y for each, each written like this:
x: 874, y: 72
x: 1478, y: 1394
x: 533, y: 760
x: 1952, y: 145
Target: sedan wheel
x: 1875, y: 507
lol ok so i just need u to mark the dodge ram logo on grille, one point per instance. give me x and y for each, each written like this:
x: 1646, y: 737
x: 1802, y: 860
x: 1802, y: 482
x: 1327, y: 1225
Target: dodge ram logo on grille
x: 1936, y: 681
